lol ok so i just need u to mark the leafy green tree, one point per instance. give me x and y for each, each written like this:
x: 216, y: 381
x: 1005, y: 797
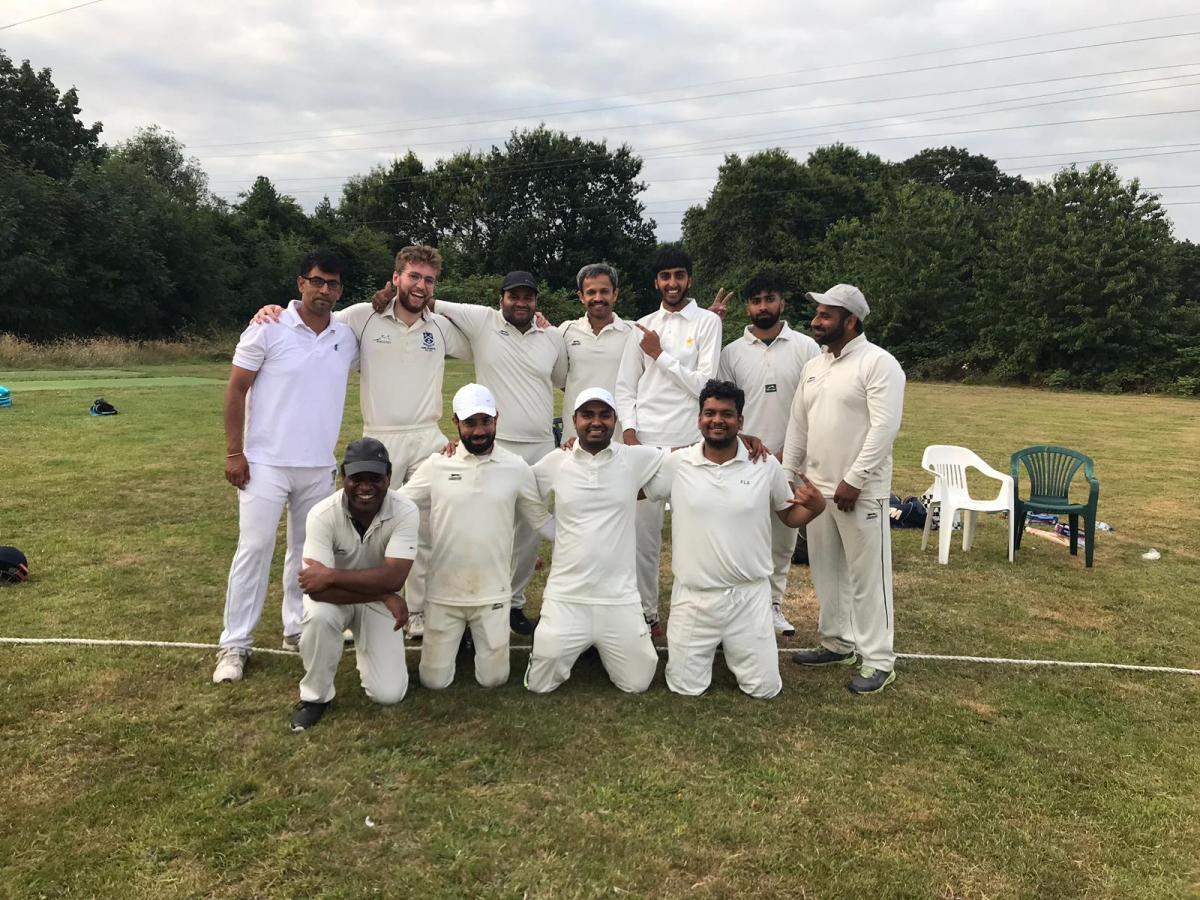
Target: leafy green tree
x: 38, y: 125
x: 973, y: 177
x: 393, y: 200
x: 1079, y: 283
x: 161, y: 154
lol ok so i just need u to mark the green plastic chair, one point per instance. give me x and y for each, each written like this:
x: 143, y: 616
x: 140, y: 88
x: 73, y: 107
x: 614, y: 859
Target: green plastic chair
x: 1050, y: 471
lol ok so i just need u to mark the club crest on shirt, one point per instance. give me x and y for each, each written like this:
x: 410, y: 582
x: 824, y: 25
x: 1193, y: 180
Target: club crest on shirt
x: 427, y: 340
x: 690, y: 341
x: 384, y: 338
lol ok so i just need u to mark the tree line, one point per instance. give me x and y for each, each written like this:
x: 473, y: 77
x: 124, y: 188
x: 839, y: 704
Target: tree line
x: 971, y: 273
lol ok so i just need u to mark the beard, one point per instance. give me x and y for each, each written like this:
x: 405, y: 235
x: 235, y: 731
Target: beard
x: 479, y: 444
x: 832, y: 335
x: 404, y: 300
x: 765, y: 320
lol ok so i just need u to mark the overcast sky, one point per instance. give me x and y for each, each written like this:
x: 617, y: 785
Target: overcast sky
x: 308, y: 93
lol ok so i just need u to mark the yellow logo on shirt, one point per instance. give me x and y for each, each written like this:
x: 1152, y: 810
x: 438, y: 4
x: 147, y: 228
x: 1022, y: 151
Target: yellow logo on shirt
x: 690, y: 342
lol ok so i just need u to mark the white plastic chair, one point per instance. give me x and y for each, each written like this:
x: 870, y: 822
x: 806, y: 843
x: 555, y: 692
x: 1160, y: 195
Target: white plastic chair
x: 949, y: 467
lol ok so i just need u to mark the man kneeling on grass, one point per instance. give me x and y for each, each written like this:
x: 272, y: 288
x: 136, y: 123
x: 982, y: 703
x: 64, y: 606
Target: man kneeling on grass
x: 358, y: 549
x: 721, y: 508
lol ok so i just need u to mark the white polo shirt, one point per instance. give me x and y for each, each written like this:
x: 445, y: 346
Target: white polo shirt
x: 720, y: 516
x: 659, y: 398
x: 402, y: 366
x: 471, y: 502
x: 844, y: 419
x: 592, y: 361
x: 595, y: 502
x: 769, y: 374
x: 332, y: 540
x: 521, y: 370
x: 294, y: 408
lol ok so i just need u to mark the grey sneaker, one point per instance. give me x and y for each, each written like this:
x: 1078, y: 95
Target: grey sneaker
x: 415, y: 629
x: 782, y: 625
x: 231, y: 663
x: 291, y: 642
x: 822, y: 656
x: 307, y: 714
x: 870, y: 680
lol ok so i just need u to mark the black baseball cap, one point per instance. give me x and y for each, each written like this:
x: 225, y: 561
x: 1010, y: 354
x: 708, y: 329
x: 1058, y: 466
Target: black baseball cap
x: 366, y: 455
x: 518, y: 279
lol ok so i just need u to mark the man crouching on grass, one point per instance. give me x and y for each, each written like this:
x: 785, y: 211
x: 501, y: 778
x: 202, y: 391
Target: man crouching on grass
x: 359, y: 546
x: 721, y: 509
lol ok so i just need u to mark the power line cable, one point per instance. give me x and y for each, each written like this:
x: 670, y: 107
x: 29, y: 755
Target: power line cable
x: 57, y: 12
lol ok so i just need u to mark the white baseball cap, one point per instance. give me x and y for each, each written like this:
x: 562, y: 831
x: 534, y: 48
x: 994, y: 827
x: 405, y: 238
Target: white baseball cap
x: 846, y: 296
x: 595, y: 393
x: 473, y: 399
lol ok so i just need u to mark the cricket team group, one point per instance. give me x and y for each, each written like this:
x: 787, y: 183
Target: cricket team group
x: 437, y: 540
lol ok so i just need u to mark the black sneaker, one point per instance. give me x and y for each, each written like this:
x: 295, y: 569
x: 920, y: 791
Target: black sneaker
x: 821, y: 656
x: 307, y: 714
x: 870, y: 680
x: 518, y: 623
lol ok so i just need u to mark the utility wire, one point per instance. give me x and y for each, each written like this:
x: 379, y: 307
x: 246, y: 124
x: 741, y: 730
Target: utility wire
x: 57, y: 12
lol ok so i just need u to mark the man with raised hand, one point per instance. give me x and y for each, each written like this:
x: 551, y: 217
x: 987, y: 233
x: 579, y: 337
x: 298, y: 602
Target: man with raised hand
x: 520, y: 362
x: 666, y: 362
x: 595, y: 341
x: 359, y: 549
x: 765, y: 362
x: 721, y: 505
x: 473, y: 499
x: 844, y: 418
x: 403, y: 348
x: 591, y: 596
x: 283, y: 412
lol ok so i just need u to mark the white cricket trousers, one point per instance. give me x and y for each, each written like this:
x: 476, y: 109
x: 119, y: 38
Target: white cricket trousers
x: 850, y: 562
x: 444, y: 626
x: 618, y: 631
x: 738, y: 619
x: 260, y: 504
x: 783, y: 545
x: 407, y: 449
x: 648, y: 526
x: 378, y: 647
x: 525, y: 537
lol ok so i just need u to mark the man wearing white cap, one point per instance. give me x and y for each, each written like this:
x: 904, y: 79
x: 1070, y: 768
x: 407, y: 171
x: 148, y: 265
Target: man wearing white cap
x: 844, y: 418
x: 722, y: 504
x: 591, y: 596
x: 766, y: 362
x: 472, y: 500
x: 358, y: 548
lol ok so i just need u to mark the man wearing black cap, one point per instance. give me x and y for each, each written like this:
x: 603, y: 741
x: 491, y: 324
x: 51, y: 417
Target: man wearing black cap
x: 358, y: 549
x: 521, y: 363
x: 844, y: 418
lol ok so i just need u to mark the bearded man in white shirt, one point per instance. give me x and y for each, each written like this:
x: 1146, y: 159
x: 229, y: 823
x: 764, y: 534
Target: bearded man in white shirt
x: 844, y: 419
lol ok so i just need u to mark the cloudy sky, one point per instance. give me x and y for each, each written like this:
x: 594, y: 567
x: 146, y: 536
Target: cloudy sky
x: 309, y: 93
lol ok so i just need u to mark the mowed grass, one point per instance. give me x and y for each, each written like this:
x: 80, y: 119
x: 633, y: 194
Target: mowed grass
x: 127, y: 772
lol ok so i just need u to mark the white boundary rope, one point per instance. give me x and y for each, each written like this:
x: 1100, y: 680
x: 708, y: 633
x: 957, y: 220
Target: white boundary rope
x: 932, y: 657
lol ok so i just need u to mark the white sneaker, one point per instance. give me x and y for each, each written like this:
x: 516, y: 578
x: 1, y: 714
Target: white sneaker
x: 782, y: 625
x: 291, y: 642
x: 231, y: 661
x: 415, y: 629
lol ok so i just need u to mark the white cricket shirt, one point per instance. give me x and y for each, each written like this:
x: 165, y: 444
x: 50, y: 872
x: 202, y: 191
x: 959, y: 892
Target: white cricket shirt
x: 402, y: 366
x: 592, y: 361
x: 720, y: 516
x: 521, y: 370
x: 294, y: 408
x: 595, y: 503
x: 332, y: 540
x: 659, y: 398
x: 471, y: 503
x: 769, y: 374
x: 844, y: 418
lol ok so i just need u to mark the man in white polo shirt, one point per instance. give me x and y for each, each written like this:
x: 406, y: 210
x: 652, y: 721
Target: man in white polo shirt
x: 667, y: 360
x: 721, y: 505
x: 403, y: 348
x: 473, y: 500
x: 765, y: 362
x: 521, y: 363
x: 844, y: 418
x: 283, y: 411
x: 359, y: 549
x: 591, y: 596
x: 595, y: 341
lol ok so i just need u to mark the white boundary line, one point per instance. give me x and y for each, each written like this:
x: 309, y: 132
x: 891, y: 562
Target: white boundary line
x: 933, y: 657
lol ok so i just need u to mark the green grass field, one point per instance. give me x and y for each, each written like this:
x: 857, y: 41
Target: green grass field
x: 126, y: 772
